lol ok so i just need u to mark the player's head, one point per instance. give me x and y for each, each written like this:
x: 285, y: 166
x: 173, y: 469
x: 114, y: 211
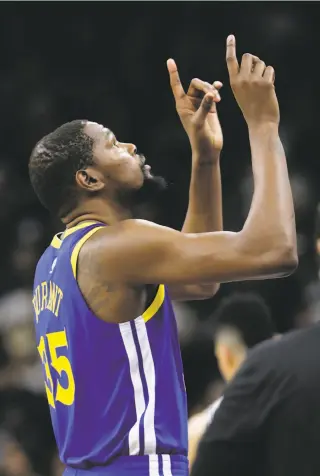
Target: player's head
x: 241, y: 322
x: 82, y: 161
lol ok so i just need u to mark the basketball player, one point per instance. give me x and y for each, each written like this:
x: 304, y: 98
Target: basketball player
x: 241, y: 322
x: 105, y: 328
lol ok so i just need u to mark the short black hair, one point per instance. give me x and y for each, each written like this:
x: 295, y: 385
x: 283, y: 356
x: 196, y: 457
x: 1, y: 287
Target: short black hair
x: 54, y: 162
x: 248, y: 314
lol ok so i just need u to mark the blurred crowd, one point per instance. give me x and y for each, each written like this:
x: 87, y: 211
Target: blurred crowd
x: 106, y: 62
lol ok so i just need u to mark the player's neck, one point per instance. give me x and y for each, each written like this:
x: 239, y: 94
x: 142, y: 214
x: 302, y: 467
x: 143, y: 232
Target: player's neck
x: 97, y: 210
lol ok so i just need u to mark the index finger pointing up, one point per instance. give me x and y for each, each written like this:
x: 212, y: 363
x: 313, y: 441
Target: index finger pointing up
x: 231, y: 57
x: 175, y: 82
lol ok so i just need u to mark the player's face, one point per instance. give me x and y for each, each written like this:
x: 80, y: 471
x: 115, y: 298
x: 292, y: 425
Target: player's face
x: 121, y: 167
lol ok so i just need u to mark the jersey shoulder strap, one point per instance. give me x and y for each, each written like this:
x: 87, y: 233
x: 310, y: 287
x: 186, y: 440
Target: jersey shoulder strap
x: 78, y: 246
x: 72, y: 240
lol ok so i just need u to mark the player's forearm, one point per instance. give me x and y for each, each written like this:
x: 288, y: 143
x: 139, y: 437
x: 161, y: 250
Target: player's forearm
x: 205, y: 197
x: 204, y: 214
x: 271, y: 222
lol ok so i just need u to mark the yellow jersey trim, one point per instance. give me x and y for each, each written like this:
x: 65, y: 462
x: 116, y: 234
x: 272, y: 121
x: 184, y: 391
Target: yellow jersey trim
x: 56, y: 242
x: 84, y: 224
x: 77, y: 248
x: 155, y: 305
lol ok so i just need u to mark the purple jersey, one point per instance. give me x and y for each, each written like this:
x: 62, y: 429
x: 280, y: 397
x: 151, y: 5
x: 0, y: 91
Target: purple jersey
x: 113, y: 389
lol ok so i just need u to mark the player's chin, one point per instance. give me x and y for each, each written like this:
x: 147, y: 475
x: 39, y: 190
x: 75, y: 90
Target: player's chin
x: 152, y: 188
x: 156, y: 181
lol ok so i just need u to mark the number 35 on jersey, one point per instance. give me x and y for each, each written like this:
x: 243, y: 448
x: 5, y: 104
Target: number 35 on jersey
x: 56, y: 342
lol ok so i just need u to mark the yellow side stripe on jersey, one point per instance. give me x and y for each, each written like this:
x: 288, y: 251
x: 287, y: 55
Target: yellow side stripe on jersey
x: 155, y: 305
x: 77, y: 248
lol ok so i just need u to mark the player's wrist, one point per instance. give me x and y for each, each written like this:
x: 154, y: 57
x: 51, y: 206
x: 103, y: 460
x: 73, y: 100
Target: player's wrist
x: 263, y: 127
x: 208, y: 158
x: 204, y: 151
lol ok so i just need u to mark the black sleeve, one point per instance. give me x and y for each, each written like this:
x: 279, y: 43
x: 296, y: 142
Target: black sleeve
x: 232, y: 443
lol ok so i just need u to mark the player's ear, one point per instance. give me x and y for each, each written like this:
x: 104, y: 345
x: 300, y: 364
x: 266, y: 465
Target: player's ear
x: 230, y: 357
x: 90, y: 179
x: 224, y: 359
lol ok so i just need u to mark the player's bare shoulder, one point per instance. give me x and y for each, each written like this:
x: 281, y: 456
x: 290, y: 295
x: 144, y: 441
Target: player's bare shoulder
x: 126, y: 251
x: 112, y: 245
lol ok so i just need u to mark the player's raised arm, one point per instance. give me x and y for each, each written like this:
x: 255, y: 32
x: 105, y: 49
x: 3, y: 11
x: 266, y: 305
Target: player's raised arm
x: 141, y: 252
x: 272, y: 210
x: 198, y: 114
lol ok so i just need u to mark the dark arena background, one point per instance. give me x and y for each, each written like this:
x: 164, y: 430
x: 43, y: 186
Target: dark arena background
x: 106, y: 62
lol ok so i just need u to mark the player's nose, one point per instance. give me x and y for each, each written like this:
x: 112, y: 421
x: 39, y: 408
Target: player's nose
x: 131, y: 148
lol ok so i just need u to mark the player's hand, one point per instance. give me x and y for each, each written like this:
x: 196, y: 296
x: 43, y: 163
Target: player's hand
x: 252, y: 84
x: 198, y: 113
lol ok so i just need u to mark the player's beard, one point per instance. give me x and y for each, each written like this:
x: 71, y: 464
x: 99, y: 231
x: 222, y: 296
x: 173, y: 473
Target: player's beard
x: 146, y: 199
x: 143, y: 202
x: 152, y: 188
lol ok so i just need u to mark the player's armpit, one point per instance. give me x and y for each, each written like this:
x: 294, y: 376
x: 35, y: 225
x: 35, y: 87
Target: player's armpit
x: 141, y: 252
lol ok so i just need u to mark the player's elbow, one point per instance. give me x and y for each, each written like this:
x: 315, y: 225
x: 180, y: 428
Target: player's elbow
x: 214, y: 289
x: 286, y: 260
x: 207, y: 291
x: 193, y: 292
x: 279, y: 261
x: 273, y: 256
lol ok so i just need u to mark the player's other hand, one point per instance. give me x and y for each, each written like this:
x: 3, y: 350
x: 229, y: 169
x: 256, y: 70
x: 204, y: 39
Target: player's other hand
x: 252, y: 84
x: 197, y: 111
